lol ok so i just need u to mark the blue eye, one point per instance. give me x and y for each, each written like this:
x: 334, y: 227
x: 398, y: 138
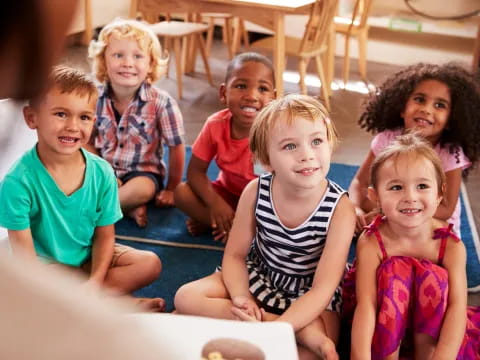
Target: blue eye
x: 395, y: 188
x: 290, y: 146
x: 317, y: 141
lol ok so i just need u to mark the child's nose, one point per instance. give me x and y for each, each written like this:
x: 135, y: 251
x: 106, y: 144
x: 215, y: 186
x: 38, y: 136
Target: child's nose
x: 306, y: 153
x: 72, y: 123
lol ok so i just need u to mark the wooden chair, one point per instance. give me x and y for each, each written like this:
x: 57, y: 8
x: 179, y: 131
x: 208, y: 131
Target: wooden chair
x: 178, y: 32
x: 355, y: 26
x: 314, y: 43
x: 227, y: 31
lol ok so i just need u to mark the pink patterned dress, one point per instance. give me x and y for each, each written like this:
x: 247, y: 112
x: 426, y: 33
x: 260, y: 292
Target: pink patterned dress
x: 412, y: 296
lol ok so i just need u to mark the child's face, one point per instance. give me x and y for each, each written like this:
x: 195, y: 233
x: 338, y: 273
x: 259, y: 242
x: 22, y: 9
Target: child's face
x: 428, y: 109
x: 63, y: 121
x: 407, y: 190
x: 127, y: 64
x: 248, y: 90
x: 299, y: 153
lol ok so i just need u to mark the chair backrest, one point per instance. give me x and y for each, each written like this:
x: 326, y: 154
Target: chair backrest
x: 319, y: 25
x: 360, y: 13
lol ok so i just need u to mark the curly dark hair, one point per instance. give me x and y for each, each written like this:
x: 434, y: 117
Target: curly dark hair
x: 384, y: 106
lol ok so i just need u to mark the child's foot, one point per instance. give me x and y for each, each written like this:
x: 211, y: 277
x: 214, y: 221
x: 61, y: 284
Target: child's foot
x: 196, y: 228
x: 139, y: 214
x: 151, y: 304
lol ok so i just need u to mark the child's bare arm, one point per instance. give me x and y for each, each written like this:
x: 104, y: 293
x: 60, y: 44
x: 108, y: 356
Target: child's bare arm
x: 102, y: 252
x: 330, y: 269
x: 176, y: 162
x: 234, y: 270
x: 221, y: 214
x: 357, y: 191
x: 454, y: 321
x: 450, y: 198
x: 363, y: 327
x: 21, y: 242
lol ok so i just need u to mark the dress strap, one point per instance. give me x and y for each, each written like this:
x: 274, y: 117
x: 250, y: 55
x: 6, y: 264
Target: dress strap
x: 443, y: 234
x: 372, y: 228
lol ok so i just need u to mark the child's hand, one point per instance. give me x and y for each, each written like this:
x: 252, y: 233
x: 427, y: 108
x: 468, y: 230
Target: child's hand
x: 363, y: 219
x: 220, y: 236
x: 246, y: 309
x: 165, y: 199
x: 221, y: 218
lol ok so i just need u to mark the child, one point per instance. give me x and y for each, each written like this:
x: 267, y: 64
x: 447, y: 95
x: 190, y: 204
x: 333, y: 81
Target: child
x: 60, y: 203
x: 442, y: 103
x: 133, y: 116
x: 289, y: 241
x: 411, y: 285
x: 249, y: 85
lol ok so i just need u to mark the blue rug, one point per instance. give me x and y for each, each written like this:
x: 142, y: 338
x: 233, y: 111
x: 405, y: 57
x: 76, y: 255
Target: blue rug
x: 186, y: 258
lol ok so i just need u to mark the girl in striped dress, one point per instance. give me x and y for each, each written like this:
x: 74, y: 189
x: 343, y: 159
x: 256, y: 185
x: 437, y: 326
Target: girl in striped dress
x: 288, y: 246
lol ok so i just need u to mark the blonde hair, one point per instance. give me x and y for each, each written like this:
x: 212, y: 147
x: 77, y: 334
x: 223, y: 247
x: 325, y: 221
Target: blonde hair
x: 69, y: 80
x: 291, y: 106
x: 128, y: 29
x: 408, y: 144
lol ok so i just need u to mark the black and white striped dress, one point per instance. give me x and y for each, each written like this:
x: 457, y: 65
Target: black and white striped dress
x: 282, y: 261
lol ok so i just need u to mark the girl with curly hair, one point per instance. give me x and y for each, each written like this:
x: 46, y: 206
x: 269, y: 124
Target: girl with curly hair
x: 439, y: 102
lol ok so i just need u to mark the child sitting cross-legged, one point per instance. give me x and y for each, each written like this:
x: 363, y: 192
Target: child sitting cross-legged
x: 249, y: 85
x: 409, y: 282
x: 135, y: 118
x: 287, y: 249
x: 60, y: 202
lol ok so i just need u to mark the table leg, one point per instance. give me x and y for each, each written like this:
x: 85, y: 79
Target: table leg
x: 279, y: 50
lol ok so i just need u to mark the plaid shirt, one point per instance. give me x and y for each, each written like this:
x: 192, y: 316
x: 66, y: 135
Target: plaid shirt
x: 135, y: 142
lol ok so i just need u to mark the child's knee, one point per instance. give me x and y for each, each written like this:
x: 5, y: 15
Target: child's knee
x: 184, y: 298
x: 151, y: 265
x: 181, y: 192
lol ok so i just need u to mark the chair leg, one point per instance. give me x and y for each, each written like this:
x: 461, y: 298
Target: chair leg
x: 302, y: 70
x: 325, y: 85
x: 244, y: 32
x: 178, y: 63
x: 201, y: 45
x: 211, y: 28
x: 346, y: 60
x: 362, y: 54
x: 228, y: 36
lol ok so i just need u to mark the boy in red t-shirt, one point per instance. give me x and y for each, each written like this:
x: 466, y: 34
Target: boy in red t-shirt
x: 249, y: 85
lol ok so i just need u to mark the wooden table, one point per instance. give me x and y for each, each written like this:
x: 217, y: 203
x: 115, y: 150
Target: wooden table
x: 267, y: 13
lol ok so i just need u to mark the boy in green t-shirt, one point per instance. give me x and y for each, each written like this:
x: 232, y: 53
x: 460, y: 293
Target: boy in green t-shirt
x: 60, y: 202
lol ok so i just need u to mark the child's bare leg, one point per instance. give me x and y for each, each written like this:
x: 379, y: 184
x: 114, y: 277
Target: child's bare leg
x: 134, y: 194
x: 305, y: 354
x: 133, y: 270
x: 321, y: 335
x: 424, y: 346
x: 205, y: 297
x: 187, y: 201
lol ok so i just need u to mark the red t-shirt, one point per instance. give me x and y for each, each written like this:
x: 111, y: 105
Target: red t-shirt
x: 232, y: 156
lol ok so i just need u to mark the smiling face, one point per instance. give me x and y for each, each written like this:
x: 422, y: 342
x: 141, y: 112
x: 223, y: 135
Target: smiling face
x: 428, y: 109
x: 127, y: 64
x: 247, y: 91
x: 64, y: 122
x: 299, y: 153
x: 407, y: 190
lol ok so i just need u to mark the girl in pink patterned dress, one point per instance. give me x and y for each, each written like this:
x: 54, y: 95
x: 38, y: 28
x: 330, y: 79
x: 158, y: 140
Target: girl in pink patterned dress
x: 409, y: 275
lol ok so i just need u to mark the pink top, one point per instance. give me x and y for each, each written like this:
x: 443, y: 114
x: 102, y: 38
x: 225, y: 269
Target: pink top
x: 232, y: 156
x: 450, y: 161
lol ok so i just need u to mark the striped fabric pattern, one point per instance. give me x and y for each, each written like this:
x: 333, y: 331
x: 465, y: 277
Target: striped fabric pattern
x: 282, y: 261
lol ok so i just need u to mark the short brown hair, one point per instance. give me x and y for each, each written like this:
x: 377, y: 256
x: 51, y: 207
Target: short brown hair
x: 408, y: 144
x: 128, y: 29
x: 293, y: 106
x: 69, y: 80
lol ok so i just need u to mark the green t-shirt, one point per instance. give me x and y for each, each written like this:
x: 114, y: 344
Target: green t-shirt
x: 62, y: 226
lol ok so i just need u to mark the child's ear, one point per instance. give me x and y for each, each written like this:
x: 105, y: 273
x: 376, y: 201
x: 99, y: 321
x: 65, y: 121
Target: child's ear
x: 222, y: 94
x: 30, y: 116
x: 372, y: 195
